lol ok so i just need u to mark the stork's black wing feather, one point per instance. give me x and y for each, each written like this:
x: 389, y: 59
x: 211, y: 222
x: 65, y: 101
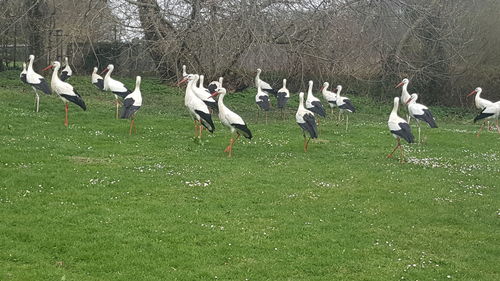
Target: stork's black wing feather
x: 348, y: 105
x: 282, y: 99
x: 211, y: 88
x: 318, y: 108
x: 309, y: 125
x: 427, y: 118
x: 243, y: 129
x: 123, y: 94
x: 264, y: 103
x: 405, y: 132
x: 99, y: 84
x: 76, y: 100
x: 42, y: 86
x: 64, y: 76
x: 482, y: 115
x: 206, y: 120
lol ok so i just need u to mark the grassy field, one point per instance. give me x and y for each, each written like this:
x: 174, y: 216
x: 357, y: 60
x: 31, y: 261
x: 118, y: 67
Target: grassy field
x: 90, y: 202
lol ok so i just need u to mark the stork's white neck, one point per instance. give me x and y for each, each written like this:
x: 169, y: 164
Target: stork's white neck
x: 202, y: 78
x: 301, y: 101
x: 394, y: 111
x: 30, y: 65
x: 55, y: 77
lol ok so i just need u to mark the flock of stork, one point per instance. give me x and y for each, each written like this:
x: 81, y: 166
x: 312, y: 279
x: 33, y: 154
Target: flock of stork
x: 201, y: 102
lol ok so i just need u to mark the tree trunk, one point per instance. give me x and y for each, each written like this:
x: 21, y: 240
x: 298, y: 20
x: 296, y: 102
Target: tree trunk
x: 36, y: 18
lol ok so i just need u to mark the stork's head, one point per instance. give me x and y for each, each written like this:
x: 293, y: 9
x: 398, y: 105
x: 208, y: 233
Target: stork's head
x: 325, y: 86
x: 55, y: 65
x: 404, y: 82
x: 413, y: 98
x: 110, y: 67
x: 219, y: 91
x: 189, y: 77
x: 478, y: 90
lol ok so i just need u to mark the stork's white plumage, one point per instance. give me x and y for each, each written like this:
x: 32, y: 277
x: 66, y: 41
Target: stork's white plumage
x: 329, y: 96
x: 115, y: 86
x: 262, y: 101
x: 231, y: 120
x: 66, y: 73
x: 305, y: 119
x: 313, y: 103
x: 132, y: 103
x: 196, y: 107
x: 344, y: 104
x: 480, y: 104
x: 264, y: 85
x: 97, y: 80
x: 491, y: 111
x: 64, y: 90
x: 420, y: 112
x: 399, y: 128
x: 203, y: 93
x: 283, y: 96
x: 36, y: 81
x: 214, y: 85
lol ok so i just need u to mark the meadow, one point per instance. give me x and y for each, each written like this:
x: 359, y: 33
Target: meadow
x: 90, y: 202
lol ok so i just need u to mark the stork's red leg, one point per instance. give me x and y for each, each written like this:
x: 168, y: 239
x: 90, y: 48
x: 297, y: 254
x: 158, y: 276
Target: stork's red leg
x: 195, y: 128
x: 480, y: 129
x: 66, y: 116
x: 390, y: 154
x: 131, y: 125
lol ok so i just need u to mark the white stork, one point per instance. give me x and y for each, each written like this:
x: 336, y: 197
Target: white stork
x: 420, y: 112
x: 399, y: 129
x: 313, y: 103
x: 115, y: 86
x: 203, y: 93
x: 66, y: 73
x: 231, y: 120
x: 97, y: 80
x: 197, y: 108
x: 262, y: 101
x: 64, y: 90
x: 307, y: 122
x: 283, y: 96
x: 36, y: 81
x: 329, y: 96
x: 491, y: 111
x: 480, y: 102
x: 405, y: 96
x: 344, y: 104
x: 264, y: 85
x: 132, y: 103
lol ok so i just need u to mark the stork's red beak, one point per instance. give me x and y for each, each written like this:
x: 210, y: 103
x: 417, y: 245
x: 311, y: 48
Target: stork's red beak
x: 471, y: 93
x: 214, y: 94
x: 47, y: 68
x: 399, y: 85
x: 321, y: 89
x: 182, y: 81
x: 408, y: 101
x: 104, y: 70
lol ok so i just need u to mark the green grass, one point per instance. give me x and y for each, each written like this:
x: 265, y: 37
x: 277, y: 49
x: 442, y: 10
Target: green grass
x: 90, y: 202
